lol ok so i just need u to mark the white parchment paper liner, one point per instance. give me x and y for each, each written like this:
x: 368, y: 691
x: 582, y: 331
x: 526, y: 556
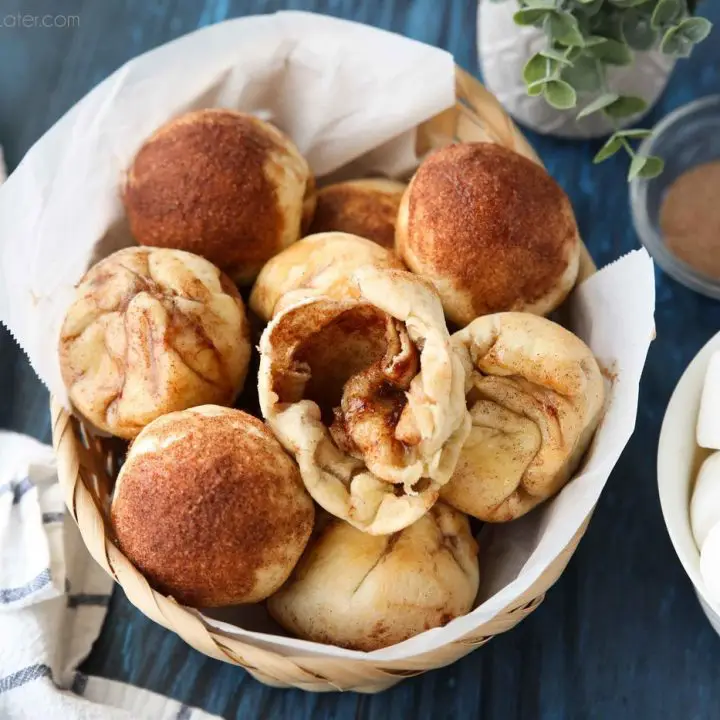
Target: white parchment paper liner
x: 339, y: 89
x: 350, y: 96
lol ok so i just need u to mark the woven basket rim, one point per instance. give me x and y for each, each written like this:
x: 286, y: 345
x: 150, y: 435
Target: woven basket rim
x: 477, y: 115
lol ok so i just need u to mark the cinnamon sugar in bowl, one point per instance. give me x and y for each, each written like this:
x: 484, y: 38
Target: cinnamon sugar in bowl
x: 677, y: 214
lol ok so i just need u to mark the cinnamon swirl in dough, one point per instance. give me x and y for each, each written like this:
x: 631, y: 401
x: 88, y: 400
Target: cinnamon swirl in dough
x: 535, y: 394
x: 492, y: 231
x: 316, y: 265
x: 368, y: 395
x: 366, y: 592
x: 152, y: 331
x: 367, y: 208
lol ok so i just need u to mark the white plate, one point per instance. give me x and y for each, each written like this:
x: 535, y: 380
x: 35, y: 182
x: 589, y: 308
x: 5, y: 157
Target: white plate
x: 679, y: 458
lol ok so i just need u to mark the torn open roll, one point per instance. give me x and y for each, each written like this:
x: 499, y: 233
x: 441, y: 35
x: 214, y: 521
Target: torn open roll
x: 535, y: 395
x: 368, y: 394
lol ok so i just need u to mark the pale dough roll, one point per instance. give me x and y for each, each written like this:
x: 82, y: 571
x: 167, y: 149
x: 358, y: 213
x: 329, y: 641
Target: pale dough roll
x: 368, y: 395
x: 535, y: 395
x: 152, y: 331
x: 366, y: 592
x: 316, y: 265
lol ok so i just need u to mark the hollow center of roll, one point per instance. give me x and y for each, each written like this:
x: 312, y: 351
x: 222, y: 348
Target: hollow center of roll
x: 351, y: 342
x: 356, y: 364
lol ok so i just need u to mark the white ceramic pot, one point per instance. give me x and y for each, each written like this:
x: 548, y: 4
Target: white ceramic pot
x: 678, y: 461
x: 504, y: 48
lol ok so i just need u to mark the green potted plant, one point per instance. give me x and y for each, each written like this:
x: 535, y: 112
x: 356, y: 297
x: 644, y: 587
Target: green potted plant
x: 586, y: 68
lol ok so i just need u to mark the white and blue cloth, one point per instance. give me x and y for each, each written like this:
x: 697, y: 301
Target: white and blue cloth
x: 53, y: 601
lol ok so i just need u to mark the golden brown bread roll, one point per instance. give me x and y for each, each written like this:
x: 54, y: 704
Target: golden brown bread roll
x: 210, y: 509
x: 222, y: 184
x: 367, y: 208
x: 491, y: 229
x: 316, y: 265
x: 152, y: 331
x: 368, y: 396
x: 366, y: 592
x: 535, y: 394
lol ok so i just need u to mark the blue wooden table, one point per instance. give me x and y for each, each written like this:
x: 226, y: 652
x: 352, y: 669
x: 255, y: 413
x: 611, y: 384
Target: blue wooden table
x: 621, y: 634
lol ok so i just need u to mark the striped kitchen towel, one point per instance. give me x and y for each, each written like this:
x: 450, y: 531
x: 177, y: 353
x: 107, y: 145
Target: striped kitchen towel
x: 53, y: 600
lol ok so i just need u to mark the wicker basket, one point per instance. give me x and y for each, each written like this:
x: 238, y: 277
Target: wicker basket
x: 87, y: 466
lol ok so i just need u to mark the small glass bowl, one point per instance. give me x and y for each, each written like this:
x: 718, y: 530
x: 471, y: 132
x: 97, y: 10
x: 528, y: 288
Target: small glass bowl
x: 687, y: 137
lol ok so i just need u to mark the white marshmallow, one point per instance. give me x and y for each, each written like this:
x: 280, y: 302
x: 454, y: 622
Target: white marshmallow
x: 710, y: 562
x: 705, y: 502
x: 708, y: 424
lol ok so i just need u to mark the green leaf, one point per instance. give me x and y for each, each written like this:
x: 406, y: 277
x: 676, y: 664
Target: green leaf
x: 536, y: 88
x: 560, y: 95
x: 645, y: 166
x: 637, y: 31
x: 608, y: 149
x: 695, y: 29
x: 590, y: 8
x: 636, y: 166
x: 544, y: 4
x: 634, y: 133
x: 584, y: 75
x: 624, y: 4
x: 625, y: 106
x: 556, y: 56
x: 652, y: 168
x: 583, y: 21
x: 598, y: 104
x: 592, y: 40
x: 530, y: 16
x: 536, y: 68
x: 673, y: 43
x: 613, y: 52
x: 574, y: 53
x: 563, y: 28
x: 665, y: 12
